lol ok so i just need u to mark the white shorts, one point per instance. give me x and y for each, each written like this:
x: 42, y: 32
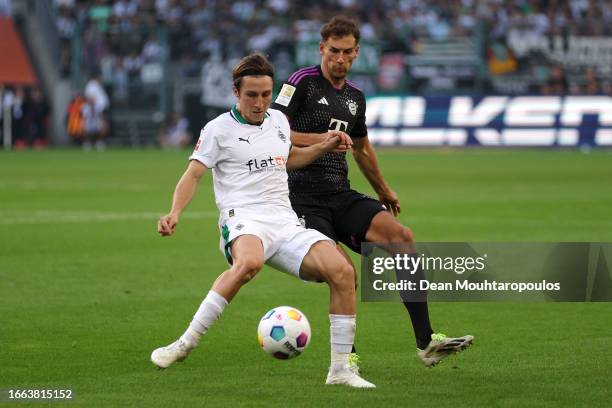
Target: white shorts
x: 285, y: 241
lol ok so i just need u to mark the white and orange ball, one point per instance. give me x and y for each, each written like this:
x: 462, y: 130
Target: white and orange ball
x: 284, y: 332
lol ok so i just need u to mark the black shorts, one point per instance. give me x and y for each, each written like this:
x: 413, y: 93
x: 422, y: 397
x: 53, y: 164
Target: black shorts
x: 344, y: 217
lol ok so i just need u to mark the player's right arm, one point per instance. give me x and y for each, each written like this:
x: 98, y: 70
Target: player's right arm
x: 183, y: 194
x: 205, y: 156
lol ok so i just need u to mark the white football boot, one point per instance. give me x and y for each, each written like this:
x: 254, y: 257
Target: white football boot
x: 442, y: 346
x: 164, y: 357
x: 346, y: 376
x: 353, y: 362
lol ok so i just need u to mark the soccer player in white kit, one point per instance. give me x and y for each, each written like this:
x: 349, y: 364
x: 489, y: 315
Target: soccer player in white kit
x: 249, y: 151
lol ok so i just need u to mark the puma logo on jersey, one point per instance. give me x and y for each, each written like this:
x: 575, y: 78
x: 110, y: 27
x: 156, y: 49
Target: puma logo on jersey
x: 244, y: 140
x: 323, y: 101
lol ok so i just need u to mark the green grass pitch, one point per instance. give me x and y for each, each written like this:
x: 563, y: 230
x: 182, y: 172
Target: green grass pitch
x: 88, y: 289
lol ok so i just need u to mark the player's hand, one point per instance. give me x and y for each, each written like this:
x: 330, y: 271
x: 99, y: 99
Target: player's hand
x: 167, y: 224
x: 390, y: 199
x: 338, y: 141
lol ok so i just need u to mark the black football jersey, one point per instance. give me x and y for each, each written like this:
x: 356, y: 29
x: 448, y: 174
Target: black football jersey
x: 314, y: 105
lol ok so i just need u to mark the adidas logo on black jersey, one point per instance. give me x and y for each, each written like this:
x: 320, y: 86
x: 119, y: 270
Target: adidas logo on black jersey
x: 323, y: 101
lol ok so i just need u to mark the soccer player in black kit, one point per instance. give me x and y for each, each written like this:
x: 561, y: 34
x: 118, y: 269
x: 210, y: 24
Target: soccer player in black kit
x: 318, y: 99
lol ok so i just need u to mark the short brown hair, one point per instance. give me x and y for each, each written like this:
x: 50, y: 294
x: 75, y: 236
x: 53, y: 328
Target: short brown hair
x: 340, y: 26
x: 254, y: 64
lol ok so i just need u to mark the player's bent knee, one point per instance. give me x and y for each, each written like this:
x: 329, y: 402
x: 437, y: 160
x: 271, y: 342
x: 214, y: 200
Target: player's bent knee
x: 343, y: 277
x: 246, y: 270
x: 405, y: 235
x: 399, y: 234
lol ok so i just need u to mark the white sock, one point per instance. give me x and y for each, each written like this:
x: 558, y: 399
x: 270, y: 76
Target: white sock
x: 342, y: 336
x: 209, y: 311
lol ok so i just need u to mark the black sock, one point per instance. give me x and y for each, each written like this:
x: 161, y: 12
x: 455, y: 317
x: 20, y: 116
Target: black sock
x: 419, y: 315
x: 416, y: 305
x: 353, y: 350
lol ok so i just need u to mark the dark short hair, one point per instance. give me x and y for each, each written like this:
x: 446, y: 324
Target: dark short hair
x: 340, y: 26
x: 255, y: 64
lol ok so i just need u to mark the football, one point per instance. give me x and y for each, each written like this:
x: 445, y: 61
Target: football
x: 284, y: 332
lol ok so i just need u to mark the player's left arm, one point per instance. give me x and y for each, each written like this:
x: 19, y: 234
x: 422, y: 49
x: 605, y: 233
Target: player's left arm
x: 365, y: 156
x: 303, y: 156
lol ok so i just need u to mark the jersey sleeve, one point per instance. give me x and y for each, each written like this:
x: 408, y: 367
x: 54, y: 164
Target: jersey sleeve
x: 207, y: 149
x: 290, y: 98
x: 360, y: 129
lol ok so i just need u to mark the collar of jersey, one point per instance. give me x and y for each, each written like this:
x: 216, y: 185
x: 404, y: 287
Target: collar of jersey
x: 328, y: 81
x: 240, y: 119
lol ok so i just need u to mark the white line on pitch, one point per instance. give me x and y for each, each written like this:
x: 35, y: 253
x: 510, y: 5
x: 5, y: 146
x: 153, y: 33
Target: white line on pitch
x: 52, y: 216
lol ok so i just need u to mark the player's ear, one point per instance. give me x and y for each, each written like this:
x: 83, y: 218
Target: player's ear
x: 236, y: 91
x: 357, y: 51
x: 321, y: 47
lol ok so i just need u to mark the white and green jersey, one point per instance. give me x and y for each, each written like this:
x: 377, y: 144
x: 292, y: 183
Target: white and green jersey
x: 248, y: 161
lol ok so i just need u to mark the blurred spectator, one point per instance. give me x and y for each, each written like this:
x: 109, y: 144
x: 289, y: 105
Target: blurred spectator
x: 37, y: 117
x: 175, y: 133
x: 3, y: 92
x: 29, y: 115
x: 557, y: 82
x: 120, y: 82
x: 95, y: 113
x: 99, y: 14
x: 66, y: 24
x: 94, y: 125
x: 592, y: 84
x: 94, y: 91
x: 500, y: 59
x: 6, y: 101
x: 67, y: 28
x: 152, y: 50
x: 75, y: 122
x: 133, y: 63
x: 19, y: 129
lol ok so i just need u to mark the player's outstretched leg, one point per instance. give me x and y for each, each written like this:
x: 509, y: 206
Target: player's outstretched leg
x: 354, y: 358
x: 342, y: 331
x: 209, y: 311
x: 442, y: 346
x: 247, y: 252
x: 323, y: 262
x: 431, y: 347
x: 164, y: 357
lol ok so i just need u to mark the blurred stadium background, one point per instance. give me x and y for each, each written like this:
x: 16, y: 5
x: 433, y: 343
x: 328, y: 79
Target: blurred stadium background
x: 165, y: 66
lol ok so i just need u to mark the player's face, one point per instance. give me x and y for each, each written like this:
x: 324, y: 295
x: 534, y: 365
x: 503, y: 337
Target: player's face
x: 254, y: 97
x: 338, y: 54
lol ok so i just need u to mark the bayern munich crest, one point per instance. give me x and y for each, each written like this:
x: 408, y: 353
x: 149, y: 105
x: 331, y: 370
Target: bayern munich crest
x: 352, y: 107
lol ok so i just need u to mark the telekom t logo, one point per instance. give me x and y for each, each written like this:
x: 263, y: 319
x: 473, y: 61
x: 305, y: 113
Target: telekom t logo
x: 336, y: 124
